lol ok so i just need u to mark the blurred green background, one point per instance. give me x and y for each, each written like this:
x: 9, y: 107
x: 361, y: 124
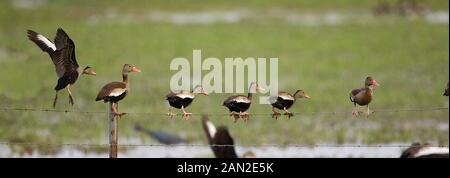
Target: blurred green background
x: 326, y: 48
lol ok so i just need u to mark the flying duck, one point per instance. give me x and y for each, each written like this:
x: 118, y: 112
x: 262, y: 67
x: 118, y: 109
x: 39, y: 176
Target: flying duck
x: 363, y: 96
x: 284, y: 101
x: 62, y: 53
x: 162, y: 137
x: 115, y: 91
x: 239, y: 104
x: 446, y: 90
x: 220, y: 141
x: 183, y: 99
x: 418, y: 150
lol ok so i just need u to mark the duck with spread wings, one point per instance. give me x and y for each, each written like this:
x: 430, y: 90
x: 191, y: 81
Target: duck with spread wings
x: 62, y: 53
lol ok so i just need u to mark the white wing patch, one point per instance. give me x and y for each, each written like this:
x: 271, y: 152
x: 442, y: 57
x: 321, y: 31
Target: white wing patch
x: 431, y: 150
x: 46, y: 41
x: 211, y: 129
x: 272, y: 99
x: 117, y: 92
x: 186, y: 95
x: 242, y: 100
x: 286, y: 97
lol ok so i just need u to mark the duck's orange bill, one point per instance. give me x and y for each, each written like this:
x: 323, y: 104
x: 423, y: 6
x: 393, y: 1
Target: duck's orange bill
x: 135, y: 69
x: 374, y: 82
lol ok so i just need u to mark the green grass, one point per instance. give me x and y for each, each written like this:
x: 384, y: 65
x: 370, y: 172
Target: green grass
x: 408, y: 57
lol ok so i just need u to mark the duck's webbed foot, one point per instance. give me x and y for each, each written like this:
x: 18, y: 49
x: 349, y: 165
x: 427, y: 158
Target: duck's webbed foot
x: 187, y: 115
x: 119, y: 114
x: 288, y: 114
x: 275, y: 114
x: 355, y: 112
x: 171, y: 115
x: 235, y: 115
x: 244, y: 115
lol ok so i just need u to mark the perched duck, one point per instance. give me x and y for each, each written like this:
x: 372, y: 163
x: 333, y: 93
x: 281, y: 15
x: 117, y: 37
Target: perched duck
x: 62, y: 53
x: 446, y: 91
x: 162, y: 137
x: 363, y: 96
x: 222, y: 144
x: 284, y: 101
x: 239, y: 104
x: 115, y: 91
x: 183, y: 99
x: 418, y: 150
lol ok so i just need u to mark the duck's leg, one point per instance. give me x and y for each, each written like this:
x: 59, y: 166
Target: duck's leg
x: 186, y: 115
x: 114, y: 106
x: 287, y: 113
x: 70, y: 95
x: 235, y: 115
x: 56, y: 99
x: 244, y: 115
x: 368, y: 111
x: 275, y: 114
x: 171, y: 114
x: 355, y: 111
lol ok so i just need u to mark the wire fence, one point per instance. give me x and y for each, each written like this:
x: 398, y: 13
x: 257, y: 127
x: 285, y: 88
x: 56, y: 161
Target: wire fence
x: 430, y: 109
x: 207, y: 145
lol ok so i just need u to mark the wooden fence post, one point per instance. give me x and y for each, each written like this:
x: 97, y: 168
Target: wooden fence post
x: 113, y: 132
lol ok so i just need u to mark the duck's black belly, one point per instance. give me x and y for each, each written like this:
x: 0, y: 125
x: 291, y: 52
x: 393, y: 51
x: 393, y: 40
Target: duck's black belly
x: 178, y: 102
x: 237, y: 107
x: 281, y: 103
x: 115, y: 99
x: 66, y: 79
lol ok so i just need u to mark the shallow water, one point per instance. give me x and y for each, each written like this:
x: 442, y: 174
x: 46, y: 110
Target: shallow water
x: 205, y: 152
x: 329, y: 18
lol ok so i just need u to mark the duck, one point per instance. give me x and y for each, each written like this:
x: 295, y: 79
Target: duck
x: 183, y: 99
x: 284, y: 101
x: 363, y: 96
x: 62, y: 53
x: 113, y: 92
x: 417, y: 150
x: 221, y: 141
x: 446, y: 92
x: 160, y: 136
x: 239, y: 104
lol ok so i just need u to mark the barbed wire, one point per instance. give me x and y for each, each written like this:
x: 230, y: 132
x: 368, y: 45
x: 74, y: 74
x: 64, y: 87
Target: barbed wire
x: 226, y: 114
x: 207, y: 145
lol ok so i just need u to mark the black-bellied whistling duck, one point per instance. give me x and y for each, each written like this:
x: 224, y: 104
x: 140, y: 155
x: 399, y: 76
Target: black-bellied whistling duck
x: 446, y: 91
x: 162, y: 137
x: 220, y: 141
x: 418, y: 150
x: 363, y: 96
x: 284, y: 101
x: 239, y: 104
x: 62, y: 53
x: 115, y: 91
x: 183, y: 99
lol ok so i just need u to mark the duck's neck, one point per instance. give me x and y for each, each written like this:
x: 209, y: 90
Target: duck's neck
x: 250, y: 95
x: 125, y: 77
x: 194, y: 93
x: 369, y: 89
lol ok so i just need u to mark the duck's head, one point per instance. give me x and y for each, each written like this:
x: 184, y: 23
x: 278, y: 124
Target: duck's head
x: 89, y: 71
x: 301, y: 94
x: 255, y: 87
x: 128, y: 68
x: 371, y: 82
x: 200, y: 90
